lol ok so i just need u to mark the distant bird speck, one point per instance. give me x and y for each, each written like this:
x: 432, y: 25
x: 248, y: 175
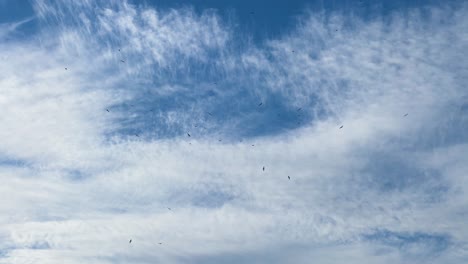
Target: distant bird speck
x: 289, y: 178
x: 107, y: 110
x: 260, y: 104
x: 160, y: 243
x: 253, y: 145
x: 406, y: 114
x: 188, y: 134
x: 341, y: 127
x: 66, y: 69
x: 263, y: 168
x: 130, y: 241
x: 122, y: 61
x: 299, y: 109
x: 169, y: 208
x: 209, y: 113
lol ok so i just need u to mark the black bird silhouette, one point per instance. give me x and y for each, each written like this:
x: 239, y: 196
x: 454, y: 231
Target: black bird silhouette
x: 253, y: 145
x: 299, y: 109
x: 406, y: 114
x: 188, y: 134
x: 289, y: 177
x: 66, y: 69
x: 119, y: 49
x: 169, y: 208
x: 130, y: 241
x: 209, y: 113
x: 263, y: 168
x: 137, y: 135
x: 341, y: 127
x: 107, y: 110
x: 260, y: 104
x: 122, y: 61
x: 160, y: 243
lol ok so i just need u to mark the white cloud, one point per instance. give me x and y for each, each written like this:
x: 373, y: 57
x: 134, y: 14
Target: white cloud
x: 85, y: 189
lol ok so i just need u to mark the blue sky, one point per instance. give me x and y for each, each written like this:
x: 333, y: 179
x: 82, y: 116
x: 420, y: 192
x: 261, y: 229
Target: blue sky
x: 99, y: 98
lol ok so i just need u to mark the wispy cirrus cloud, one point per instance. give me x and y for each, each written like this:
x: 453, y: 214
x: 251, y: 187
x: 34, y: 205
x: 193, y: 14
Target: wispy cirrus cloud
x: 96, y: 154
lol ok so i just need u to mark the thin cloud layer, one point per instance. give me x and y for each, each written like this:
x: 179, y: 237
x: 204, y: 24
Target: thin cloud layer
x: 98, y: 105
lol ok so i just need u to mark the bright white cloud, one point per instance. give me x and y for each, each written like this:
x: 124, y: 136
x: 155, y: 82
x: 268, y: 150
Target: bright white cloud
x: 386, y: 188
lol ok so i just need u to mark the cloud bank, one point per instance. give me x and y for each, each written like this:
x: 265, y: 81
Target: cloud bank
x: 96, y: 154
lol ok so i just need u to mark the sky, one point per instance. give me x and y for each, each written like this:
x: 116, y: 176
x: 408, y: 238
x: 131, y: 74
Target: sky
x: 233, y: 131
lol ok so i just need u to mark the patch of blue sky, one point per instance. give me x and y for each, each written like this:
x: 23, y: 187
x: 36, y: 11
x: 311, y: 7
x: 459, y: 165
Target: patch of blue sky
x: 13, y: 162
x: 411, y: 244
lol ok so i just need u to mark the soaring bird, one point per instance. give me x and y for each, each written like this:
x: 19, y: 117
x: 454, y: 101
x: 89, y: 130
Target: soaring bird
x: 260, y: 104
x: 188, y: 134
x: 66, y: 69
x: 122, y: 61
x: 130, y: 241
x: 209, y: 113
x: 341, y: 127
x: 263, y: 168
x: 107, y: 110
x: 289, y: 177
x: 299, y: 109
x: 406, y: 114
x: 169, y: 208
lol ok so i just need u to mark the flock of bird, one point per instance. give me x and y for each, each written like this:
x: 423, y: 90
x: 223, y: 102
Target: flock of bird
x: 188, y: 134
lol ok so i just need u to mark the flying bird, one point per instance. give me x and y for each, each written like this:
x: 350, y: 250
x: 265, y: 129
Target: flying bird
x: 107, y: 110
x: 263, y: 168
x: 289, y: 177
x: 169, y: 208
x: 209, y: 113
x: 66, y: 69
x: 341, y: 127
x: 253, y: 145
x: 406, y: 114
x: 260, y: 104
x: 119, y: 49
x: 160, y: 243
x: 122, y: 61
x: 188, y: 134
x: 299, y: 109
x: 130, y: 241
